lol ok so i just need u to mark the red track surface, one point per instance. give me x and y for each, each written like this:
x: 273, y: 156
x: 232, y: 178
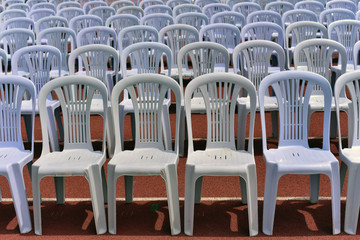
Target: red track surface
x: 213, y: 219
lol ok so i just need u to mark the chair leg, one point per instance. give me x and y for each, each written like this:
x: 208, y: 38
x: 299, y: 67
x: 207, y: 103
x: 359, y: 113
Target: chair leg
x: 36, y: 200
x: 166, y: 129
x: 343, y: 170
x: 110, y: 135
x: 182, y: 132
x: 172, y: 191
x: 252, y: 200
x: 352, y: 200
x: 198, y: 190
x: 271, y: 185
x: 189, y: 203
x: 60, y: 190
x: 111, y: 196
x: 335, y: 197
x: 129, y: 188
x: 28, y: 126
x: 17, y: 186
x: 314, y: 188
x: 97, y: 198
x: 241, y: 132
x: 53, y: 137
x: 243, y: 191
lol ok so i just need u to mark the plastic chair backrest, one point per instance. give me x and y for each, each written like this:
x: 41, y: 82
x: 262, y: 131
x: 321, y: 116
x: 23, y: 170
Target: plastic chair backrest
x: 185, y: 8
x: 136, y: 34
x: 157, y: 20
x: 38, y: 14
x: 279, y: 7
x: 16, y: 38
x: 314, y: 6
x: 121, y: 3
x: 67, y: 5
x: 347, y: 33
x: 331, y: 15
x: 59, y: 37
x: 93, y: 4
x: 226, y: 34
x: 298, y: 15
x: 195, y: 19
x: 231, y: 17
x: 20, y: 22
x: 75, y: 94
x: 220, y: 92
x: 346, y: 4
x: 350, y: 81
x: 262, y: 31
x: 121, y: 21
x: 50, y: 22
x: 33, y: 2
x: 293, y: 90
x: 70, y: 12
x: 147, y: 92
x: 254, y: 57
x: 174, y: 3
x: 318, y: 56
x: 38, y: 60
x: 12, y: 90
x: 134, y: 10
x: 246, y: 8
x: 96, y: 35
x: 4, y: 58
x: 104, y: 12
x: 204, y: 56
x: 177, y: 36
x: 202, y: 3
x: 84, y: 21
x: 5, y: 4
x: 153, y: 9
x: 20, y: 6
x: 231, y: 3
x: 43, y: 5
x: 12, y: 13
x: 264, y: 16
x: 212, y: 8
x: 146, y: 3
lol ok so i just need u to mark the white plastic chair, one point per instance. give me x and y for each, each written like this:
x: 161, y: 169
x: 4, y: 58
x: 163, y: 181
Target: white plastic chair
x: 38, y: 14
x: 70, y: 12
x: 121, y: 3
x: 245, y: 8
x: 146, y: 3
x: 15, y: 39
x: 3, y: 62
x: 93, y: 4
x: 279, y: 6
x: 312, y: 5
x: 262, y: 31
x: 219, y: 92
x: 104, y: 12
x: 61, y: 38
x: 19, y: 22
x: 50, y: 22
x: 331, y: 15
x: 356, y: 55
x: 293, y: 155
x: 11, y: 13
x: 5, y: 4
x: 298, y: 15
x: 195, y: 19
x: 84, y: 21
x: 299, y: 31
x: 175, y: 37
x: 263, y: 3
x: 185, y: 8
x: 67, y: 4
x: 96, y: 35
x: 252, y: 59
x: 210, y: 9
x: 149, y: 156
x: 78, y: 157
x: 13, y: 154
x: 43, y: 5
x: 231, y: 3
x: 349, y: 154
x: 202, y: 3
x: 134, y: 10
x: 157, y: 20
x: 121, y: 21
x: 153, y: 9
x: 205, y: 57
x: 264, y: 16
x: 346, y: 4
x: 136, y: 34
x: 94, y: 59
x: 231, y: 17
x: 33, y: 2
x: 318, y: 55
x: 21, y: 6
x: 37, y: 62
x: 174, y: 3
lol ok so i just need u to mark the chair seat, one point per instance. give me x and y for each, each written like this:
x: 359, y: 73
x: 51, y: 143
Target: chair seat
x: 300, y: 160
x: 270, y: 103
x: 143, y: 161
x: 220, y: 161
x: 26, y: 107
x: 128, y: 106
x: 12, y: 155
x: 352, y: 153
x: 317, y: 103
x: 68, y: 162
